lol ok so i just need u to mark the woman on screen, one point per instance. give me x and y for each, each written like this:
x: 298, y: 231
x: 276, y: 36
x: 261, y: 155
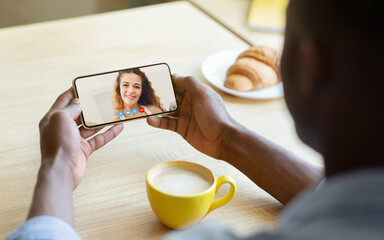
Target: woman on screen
x: 133, y: 95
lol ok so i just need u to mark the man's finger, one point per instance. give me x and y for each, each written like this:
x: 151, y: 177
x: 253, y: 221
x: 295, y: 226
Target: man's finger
x: 192, y: 85
x: 162, y: 122
x: 178, y: 83
x: 63, y: 100
x: 78, y: 121
x: 179, y: 97
x: 74, y: 108
x: 86, y: 133
x: 101, y: 139
x: 187, y: 84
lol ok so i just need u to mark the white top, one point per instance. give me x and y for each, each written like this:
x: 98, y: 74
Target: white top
x: 146, y: 110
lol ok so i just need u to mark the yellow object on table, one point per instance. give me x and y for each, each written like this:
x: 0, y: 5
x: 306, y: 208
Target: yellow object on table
x: 175, y: 203
x: 267, y: 15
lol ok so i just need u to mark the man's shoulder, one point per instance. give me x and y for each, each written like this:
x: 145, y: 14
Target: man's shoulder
x: 342, y: 208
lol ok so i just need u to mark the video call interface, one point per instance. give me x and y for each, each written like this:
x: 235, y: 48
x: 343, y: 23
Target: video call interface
x: 125, y: 94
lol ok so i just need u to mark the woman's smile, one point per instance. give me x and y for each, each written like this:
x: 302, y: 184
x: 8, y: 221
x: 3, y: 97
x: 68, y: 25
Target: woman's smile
x: 130, y: 97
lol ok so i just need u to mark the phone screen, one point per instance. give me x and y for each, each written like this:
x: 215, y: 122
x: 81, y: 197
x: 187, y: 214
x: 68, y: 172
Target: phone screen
x: 125, y: 94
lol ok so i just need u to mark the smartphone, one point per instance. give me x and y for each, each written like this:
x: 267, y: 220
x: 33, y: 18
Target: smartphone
x: 126, y: 94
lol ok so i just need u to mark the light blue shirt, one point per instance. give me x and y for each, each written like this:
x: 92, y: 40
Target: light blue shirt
x: 349, y: 207
x: 44, y: 227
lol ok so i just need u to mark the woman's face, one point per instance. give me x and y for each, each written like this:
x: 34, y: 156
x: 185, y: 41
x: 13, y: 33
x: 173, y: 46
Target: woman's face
x: 130, y: 88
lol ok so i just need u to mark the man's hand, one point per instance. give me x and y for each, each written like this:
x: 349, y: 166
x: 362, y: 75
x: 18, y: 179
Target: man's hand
x: 204, y: 122
x: 201, y: 119
x: 63, y: 142
x: 64, y: 153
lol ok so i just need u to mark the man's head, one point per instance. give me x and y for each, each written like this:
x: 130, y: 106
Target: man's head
x: 332, y: 70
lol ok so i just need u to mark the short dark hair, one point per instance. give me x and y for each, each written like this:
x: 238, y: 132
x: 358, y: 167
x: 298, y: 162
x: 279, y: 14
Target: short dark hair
x: 351, y: 34
x: 322, y: 18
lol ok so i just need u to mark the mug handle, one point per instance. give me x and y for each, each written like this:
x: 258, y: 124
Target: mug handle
x: 224, y: 200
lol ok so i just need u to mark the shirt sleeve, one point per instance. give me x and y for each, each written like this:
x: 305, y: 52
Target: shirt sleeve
x: 44, y: 227
x: 202, y: 232
x: 321, y: 184
x: 214, y: 232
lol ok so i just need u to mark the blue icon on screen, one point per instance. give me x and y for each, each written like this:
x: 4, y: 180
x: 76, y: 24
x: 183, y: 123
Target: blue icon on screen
x: 127, y: 112
x: 134, y: 111
x: 120, y: 114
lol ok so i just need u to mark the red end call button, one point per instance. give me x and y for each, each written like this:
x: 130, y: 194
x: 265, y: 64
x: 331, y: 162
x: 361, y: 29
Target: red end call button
x: 141, y: 109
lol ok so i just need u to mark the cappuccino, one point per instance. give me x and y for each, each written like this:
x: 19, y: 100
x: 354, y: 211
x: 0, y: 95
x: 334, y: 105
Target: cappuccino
x: 180, y: 181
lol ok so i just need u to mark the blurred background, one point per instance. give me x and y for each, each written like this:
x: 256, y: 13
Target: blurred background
x: 18, y: 12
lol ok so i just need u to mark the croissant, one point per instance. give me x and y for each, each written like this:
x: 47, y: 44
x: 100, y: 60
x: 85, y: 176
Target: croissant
x: 256, y: 68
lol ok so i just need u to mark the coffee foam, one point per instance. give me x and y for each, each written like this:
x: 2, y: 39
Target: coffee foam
x: 180, y: 181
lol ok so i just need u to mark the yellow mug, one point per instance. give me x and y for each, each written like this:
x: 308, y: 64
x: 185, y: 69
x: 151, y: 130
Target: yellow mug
x: 181, y: 193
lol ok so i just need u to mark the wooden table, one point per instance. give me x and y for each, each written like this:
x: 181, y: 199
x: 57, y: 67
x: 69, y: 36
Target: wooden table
x: 39, y: 61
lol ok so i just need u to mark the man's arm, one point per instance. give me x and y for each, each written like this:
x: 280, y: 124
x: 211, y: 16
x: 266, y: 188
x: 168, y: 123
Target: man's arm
x: 53, y: 193
x: 204, y: 122
x: 276, y: 170
x: 64, y: 153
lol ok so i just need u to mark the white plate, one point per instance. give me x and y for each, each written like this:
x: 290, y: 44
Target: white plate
x: 215, y: 67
